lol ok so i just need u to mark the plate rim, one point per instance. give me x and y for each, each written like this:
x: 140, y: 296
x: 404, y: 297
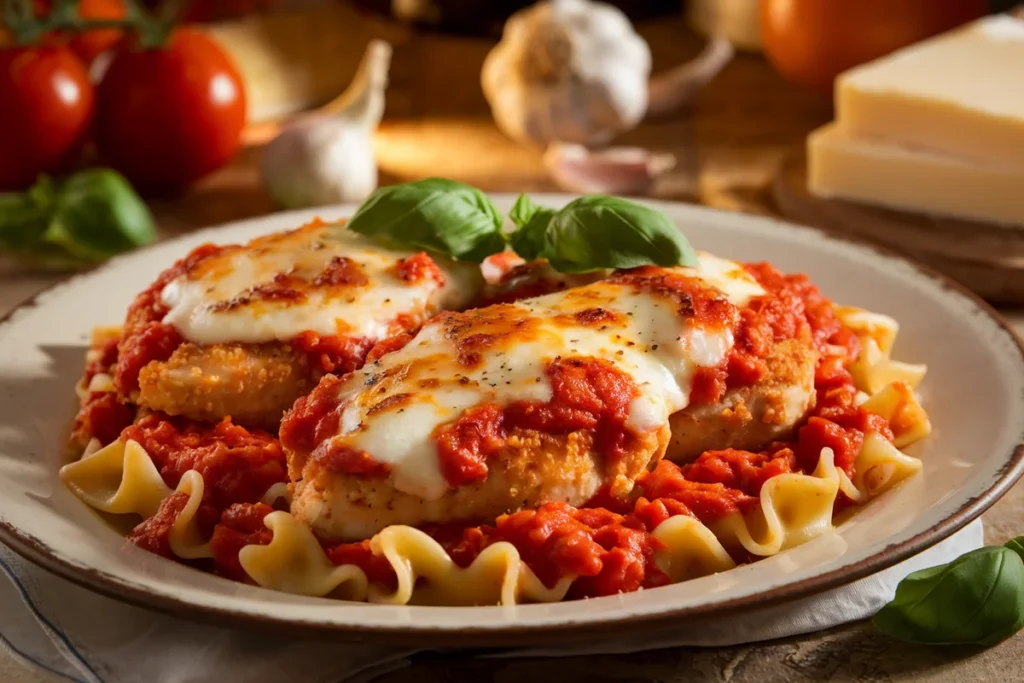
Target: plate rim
x: 110, y: 585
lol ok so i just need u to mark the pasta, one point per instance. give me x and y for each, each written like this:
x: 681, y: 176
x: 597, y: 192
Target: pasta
x: 793, y: 509
x: 119, y: 479
x: 300, y: 510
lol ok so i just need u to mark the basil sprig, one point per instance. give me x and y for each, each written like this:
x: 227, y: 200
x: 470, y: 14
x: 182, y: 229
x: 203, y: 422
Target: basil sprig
x: 84, y: 219
x: 977, y: 599
x: 434, y: 214
x: 596, y: 232
x: 591, y: 233
x: 532, y: 223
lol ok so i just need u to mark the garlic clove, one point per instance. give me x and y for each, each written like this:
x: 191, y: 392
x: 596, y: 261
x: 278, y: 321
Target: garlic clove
x: 615, y: 170
x: 327, y: 157
x: 675, y: 88
x: 363, y: 100
x: 319, y: 162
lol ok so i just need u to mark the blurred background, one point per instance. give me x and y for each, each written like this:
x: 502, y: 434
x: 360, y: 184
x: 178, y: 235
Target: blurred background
x: 735, y: 87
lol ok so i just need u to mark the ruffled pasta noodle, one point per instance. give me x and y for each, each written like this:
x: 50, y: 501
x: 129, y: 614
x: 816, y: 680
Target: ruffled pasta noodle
x: 118, y: 479
x: 874, y: 370
x: 294, y: 562
x: 792, y: 509
x: 185, y: 539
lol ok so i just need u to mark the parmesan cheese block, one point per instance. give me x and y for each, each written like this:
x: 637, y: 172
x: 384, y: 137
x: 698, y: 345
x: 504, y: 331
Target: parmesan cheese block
x: 961, y: 94
x: 874, y: 172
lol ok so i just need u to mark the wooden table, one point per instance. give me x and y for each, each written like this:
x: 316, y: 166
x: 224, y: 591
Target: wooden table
x: 728, y: 146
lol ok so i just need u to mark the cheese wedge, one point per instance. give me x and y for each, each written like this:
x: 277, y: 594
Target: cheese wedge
x: 844, y: 167
x: 961, y: 94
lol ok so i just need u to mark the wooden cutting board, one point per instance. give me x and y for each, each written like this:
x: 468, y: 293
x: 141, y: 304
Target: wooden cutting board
x: 987, y: 258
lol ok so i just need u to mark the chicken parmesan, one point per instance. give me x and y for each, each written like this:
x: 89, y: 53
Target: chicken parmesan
x: 544, y: 436
x: 245, y: 330
x: 547, y: 399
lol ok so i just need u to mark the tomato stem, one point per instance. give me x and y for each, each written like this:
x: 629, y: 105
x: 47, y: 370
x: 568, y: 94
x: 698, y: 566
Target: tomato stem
x: 152, y: 28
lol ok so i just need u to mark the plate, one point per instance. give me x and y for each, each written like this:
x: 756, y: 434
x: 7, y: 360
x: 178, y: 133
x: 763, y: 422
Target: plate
x: 974, y: 394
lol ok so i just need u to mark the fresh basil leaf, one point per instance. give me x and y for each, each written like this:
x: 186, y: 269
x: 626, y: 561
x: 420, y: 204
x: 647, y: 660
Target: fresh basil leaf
x: 22, y: 222
x: 977, y: 598
x: 523, y: 210
x: 1016, y: 545
x: 435, y: 214
x: 533, y: 221
x: 596, y: 232
x: 99, y: 215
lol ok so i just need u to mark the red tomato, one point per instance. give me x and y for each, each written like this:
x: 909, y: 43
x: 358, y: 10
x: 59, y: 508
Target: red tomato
x: 90, y: 44
x: 810, y: 42
x: 166, y: 117
x: 47, y: 108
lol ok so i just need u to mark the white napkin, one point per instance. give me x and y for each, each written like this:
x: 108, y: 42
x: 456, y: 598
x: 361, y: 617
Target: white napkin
x: 55, y: 625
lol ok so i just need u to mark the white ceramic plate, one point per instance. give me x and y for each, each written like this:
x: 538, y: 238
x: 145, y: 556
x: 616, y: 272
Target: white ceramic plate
x: 974, y: 393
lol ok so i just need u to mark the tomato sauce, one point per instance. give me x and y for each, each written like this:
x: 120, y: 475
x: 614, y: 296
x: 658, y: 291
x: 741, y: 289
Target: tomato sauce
x: 395, y: 342
x: 587, y: 394
x: 610, y: 552
x: 102, y: 416
x: 464, y: 445
x: 419, y: 268
x: 377, y: 568
x: 237, y: 465
x: 240, y: 525
x: 333, y: 353
x: 337, y: 457
x: 313, y: 419
x: 154, y: 533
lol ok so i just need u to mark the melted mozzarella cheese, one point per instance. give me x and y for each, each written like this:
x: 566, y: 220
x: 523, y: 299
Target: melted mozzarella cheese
x: 728, y: 277
x: 199, y: 302
x: 649, y: 340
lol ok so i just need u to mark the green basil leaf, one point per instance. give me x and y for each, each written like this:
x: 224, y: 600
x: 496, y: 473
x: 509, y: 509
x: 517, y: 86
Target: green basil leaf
x: 99, y: 215
x: 977, y: 598
x: 1016, y: 545
x: 22, y: 222
x: 596, y: 232
x: 434, y: 214
x: 533, y: 221
x: 523, y: 210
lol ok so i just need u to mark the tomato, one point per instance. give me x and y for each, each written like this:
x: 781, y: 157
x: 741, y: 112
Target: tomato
x: 90, y: 44
x: 166, y: 117
x: 810, y: 42
x: 46, y: 108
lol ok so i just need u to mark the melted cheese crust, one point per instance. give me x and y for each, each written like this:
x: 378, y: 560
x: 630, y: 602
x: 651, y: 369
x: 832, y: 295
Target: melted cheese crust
x: 500, y: 354
x: 223, y: 300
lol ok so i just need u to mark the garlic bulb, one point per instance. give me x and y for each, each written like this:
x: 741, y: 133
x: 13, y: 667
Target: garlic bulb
x: 576, y: 71
x: 567, y: 70
x: 327, y: 157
